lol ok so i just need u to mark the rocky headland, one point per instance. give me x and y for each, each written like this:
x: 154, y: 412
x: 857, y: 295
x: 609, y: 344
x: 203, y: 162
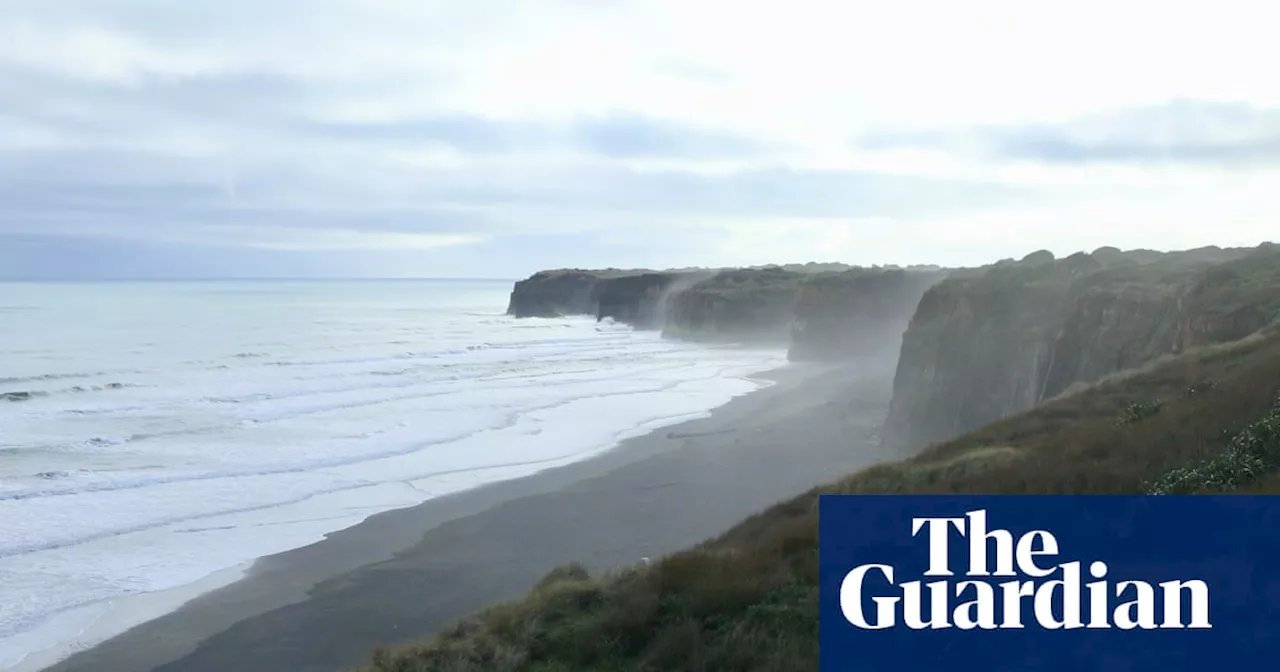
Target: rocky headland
x: 820, y: 312
x: 561, y: 292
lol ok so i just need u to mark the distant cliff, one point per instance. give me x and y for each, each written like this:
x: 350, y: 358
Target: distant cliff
x: 988, y: 343
x: 742, y: 305
x: 634, y: 297
x: 562, y: 292
x: 642, y: 300
x: 856, y: 314
x: 818, y: 314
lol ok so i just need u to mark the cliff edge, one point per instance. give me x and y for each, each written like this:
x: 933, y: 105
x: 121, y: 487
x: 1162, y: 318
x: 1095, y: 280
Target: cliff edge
x: 992, y: 342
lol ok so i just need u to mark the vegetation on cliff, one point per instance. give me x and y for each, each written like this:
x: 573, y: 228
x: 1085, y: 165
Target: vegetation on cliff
x: 747, y: 601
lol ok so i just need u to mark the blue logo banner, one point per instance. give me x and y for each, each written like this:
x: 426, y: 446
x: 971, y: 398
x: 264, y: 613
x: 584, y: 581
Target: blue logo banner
x: 1050, y: 583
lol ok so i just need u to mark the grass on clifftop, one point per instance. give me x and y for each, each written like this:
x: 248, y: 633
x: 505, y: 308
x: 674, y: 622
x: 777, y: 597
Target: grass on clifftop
x: 748, y: 600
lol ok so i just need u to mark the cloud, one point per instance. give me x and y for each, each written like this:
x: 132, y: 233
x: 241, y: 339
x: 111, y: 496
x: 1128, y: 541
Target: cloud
x: 146, y: 194
x: 622, y: 136
x: 1179, y: 132
x: 441, y: 137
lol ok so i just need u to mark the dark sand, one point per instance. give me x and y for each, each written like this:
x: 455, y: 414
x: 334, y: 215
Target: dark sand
x: 407, y: 573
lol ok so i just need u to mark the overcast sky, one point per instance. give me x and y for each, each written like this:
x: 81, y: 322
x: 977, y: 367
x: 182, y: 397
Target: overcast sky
x: 491, y: 138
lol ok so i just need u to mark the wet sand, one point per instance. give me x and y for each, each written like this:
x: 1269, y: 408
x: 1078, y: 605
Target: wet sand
x: 405, y: 574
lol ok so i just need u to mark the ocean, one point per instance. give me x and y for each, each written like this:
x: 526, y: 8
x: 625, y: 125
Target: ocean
x: 154, y: 434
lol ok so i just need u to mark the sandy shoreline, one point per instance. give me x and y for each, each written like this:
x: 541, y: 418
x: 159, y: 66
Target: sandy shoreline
x: 405, y: 573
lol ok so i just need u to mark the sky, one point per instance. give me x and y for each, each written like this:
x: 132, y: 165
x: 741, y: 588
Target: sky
x: 468, y: 138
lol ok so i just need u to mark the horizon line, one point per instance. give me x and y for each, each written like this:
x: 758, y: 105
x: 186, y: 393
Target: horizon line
x: 263, y: 279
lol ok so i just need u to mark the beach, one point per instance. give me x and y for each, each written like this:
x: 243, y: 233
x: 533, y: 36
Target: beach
x: 152, y: 452
x: 404, y: 574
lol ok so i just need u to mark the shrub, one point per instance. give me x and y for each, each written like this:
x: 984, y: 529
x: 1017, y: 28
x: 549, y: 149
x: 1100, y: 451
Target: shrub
x: 1200, y: 387
x: 565, y: 573
x: 1140, y: 411
x: 1254, y: 451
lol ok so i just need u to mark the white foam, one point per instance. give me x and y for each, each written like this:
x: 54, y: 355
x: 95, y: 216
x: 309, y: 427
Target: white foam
x: 117, y: 501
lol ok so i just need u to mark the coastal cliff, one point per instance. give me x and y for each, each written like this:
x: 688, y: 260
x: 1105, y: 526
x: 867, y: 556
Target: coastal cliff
x: 993, y: 342
x: 856, y: 314
x: 641, y: 300
x: 562, y: 292
x: 741, y: 305
x: 818, y: 313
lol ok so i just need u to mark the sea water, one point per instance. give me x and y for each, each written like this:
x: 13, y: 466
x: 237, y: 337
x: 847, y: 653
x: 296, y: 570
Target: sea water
x: 154, y: 434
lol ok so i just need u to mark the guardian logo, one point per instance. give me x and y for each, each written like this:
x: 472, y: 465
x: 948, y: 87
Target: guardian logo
x: 1048, y: 583
x: 1001, y: 605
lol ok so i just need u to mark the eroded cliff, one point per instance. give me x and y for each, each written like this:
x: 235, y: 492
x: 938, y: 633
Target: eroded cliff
x: 996, y: 341
x: 741, y: 305
x: 559, y: 292
x: 817, y: 314
x: 642, y: 300
x: 858, y: 314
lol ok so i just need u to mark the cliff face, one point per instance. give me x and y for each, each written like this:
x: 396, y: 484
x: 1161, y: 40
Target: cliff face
x: 572, y: 291
x: 856, y: 314
x: 841, y: 314
x: 555, y: 293
x: 641, y: 300
x: 693, y: 304
x: 990, y: 343
x: 744, y: 305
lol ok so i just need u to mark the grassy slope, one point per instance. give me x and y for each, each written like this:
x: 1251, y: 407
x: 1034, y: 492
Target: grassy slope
x: 748, y: 600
